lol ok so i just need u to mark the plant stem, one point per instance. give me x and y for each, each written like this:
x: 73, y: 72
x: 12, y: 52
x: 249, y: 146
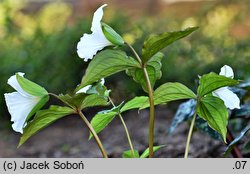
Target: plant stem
x: 190, y: 135
x: 58, y: 98
x: 151, y: 114
x: 126, y: 130
x: 54, y: 95
x: 136, y: 55
x: 98, y: 141
x: 151, y: 102
x: 235, y: 150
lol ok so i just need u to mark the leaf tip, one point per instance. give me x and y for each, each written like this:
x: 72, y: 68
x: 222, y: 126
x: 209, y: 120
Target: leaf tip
x: 225, y: 140
x: 20, y: 144
x: 90, y: 136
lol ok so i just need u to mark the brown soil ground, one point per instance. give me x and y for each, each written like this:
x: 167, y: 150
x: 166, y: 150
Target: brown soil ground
x: 68, y: 137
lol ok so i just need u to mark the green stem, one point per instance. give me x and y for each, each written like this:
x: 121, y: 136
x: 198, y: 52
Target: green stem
x: 54, y: 95
x: 58, y: 98
x: 126, y: 130
x: 91, y: 129
x: 190, y: 135
x: 135, y: 53
x: 97, y: 139
x: 151, y: 114
x: 151, y: 102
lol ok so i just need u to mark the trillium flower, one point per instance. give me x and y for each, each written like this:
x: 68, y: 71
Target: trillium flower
x: 22, y: 104
x: 230, y: 99
x: 102, y: 36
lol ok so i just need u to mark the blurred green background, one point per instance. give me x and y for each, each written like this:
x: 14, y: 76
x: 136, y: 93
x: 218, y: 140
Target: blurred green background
x: 40, y: 38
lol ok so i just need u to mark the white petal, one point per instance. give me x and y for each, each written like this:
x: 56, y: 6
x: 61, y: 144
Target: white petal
x: 227, y: 71
x: 96, y: 21
x: 102, y: 81
x: 12, y: 81
x: 19, y: 108
x: 91, y: 43
x: 84, y: 89
x: 230, y: 99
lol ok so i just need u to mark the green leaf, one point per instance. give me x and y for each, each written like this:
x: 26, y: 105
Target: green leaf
x: 165, y: 93
x: 136, y: 102
x: 84, y: 100
x: 103, y: 118
x: 98, y: 96
x: 94, y: 100
x: 155, y: 43
x: 185, y: 112
x: 204, y: 127
x: 237, y: 139
x: 38, y: 106
x: 74, y: 101
x: 106, y: 63
x: 145, y: 154
x: 111, y: 35
x: 128, y: 154
x: 170, y: 92
x: 31, y: 87
x: 212, y: 81
x: 98, y: 88
x: 213, y: 110
x: 153, y: 67
x: 42, y: 119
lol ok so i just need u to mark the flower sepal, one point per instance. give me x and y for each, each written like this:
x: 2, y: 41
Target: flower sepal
x: 34, y: 90
x: 112, y: 35
x: 30, y: 87
x: 38, y: 106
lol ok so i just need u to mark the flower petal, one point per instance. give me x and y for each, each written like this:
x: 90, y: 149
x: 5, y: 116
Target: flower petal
x: 84, y: 89
x: 12, y: 81
x: 227, y: 71
x: 102, y: 81
x: 96, y: 22
x: 19, y: 107
x: 230, y: 99
x: 91, y: 43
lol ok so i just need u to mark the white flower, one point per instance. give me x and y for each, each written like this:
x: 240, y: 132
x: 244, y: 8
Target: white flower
x: 86, y: 88
x: 91, y: 43
x: 230, y: 99
x: 20, y: 103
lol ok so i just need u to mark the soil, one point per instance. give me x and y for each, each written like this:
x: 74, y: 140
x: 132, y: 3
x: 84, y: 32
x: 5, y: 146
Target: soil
x: 68, y: 137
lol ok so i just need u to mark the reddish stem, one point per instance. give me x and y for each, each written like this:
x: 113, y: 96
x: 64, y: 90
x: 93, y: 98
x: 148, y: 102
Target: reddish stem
x: 235, y: 150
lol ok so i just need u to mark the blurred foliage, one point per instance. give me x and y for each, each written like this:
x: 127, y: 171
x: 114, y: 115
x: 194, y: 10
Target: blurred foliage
x: 219, y: 41
x: 40, y: 45
x: 43, y: 44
